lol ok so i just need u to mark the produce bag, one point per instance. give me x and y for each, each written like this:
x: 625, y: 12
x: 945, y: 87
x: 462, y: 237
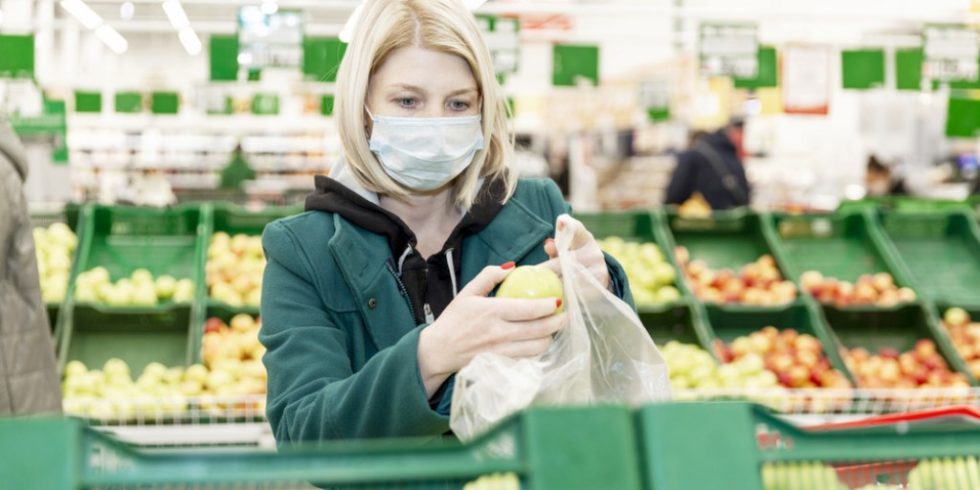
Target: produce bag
x: 603, y: 355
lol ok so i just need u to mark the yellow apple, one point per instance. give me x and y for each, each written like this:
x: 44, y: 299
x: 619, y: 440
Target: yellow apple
x: 532, y: 282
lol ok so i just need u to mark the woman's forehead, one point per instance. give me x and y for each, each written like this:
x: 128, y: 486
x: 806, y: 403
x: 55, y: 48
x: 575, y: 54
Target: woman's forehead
x: 425, y: 69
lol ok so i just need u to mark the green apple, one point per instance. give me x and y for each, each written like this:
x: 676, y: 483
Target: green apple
x: 154, y: 370
x: 144, y: 295
x: 141, y: 276
x: 173, y: 376
x: 532, y: 282
x: 75, y: 369
x: 184, y: 291
x: 196, y: 372
x: 165, y: 287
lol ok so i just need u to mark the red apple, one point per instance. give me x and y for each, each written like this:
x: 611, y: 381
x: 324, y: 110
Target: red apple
x: 888, y: 353
x: 925, y: 348
x: 798, y: 376
x: 213, y: 325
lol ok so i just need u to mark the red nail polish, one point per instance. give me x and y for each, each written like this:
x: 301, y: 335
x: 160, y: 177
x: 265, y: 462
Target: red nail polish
x: 550, y: 240
x: 508, y: 265
x: 558, y: 303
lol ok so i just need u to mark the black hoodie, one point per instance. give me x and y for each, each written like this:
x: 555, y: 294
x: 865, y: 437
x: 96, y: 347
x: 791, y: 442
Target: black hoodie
x: 430, y: 283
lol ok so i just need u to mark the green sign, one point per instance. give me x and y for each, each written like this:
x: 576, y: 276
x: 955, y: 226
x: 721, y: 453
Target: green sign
x: 50, y: 123
x: 17, y: 56
x: 963, y: 117
x: 88, y: 101
x: 729, y: 49
x: 863, y: 69
x: 322, y: 57
x: 952, y: 53
x: 574, y: 63
x: 129, y: 102
x: 265, y: 104
x: 223, y: 61
x: 767, y: 73
x: 164, y: 102
x: 326, y: 105
x: 908, y: 68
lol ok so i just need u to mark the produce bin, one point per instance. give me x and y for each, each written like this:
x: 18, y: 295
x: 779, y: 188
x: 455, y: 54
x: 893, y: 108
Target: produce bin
x: 68, y: 214
x: 122, y: 239
x: 678, y: 322
x: 844, y: 246
x: 897, y: 328
x: 941, y: 251
x: 548, y: 449
x: 735, y: 445
x: 726, y: 326
x: 727, y: 239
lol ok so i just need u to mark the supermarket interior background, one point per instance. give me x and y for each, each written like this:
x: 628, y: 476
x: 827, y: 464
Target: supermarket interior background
x: 837, y: 285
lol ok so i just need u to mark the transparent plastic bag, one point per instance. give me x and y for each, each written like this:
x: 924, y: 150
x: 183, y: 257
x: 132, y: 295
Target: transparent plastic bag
x: 603, y: 355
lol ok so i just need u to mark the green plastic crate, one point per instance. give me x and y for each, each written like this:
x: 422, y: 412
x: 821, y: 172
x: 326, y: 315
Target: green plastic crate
x: 843, y: 245
x: 897, y: 328
x: 548, y: 449
x: 941, y: 251
x: 122, y: 239
x: 726, y: 325
x: 695, y: 446
x: 233, y: 219
x: 678, y: 322
x: 726, y: 240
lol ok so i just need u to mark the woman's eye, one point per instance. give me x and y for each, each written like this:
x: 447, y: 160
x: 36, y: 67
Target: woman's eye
x: 459, y: 105
x: 407, y: 102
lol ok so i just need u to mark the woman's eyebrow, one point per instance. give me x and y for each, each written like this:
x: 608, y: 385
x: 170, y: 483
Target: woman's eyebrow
x: 462, y: 91
x: 405, y: 86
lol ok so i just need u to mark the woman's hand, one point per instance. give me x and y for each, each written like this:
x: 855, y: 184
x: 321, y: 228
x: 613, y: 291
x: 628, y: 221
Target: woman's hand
x: 474, y: 323
x: 585, y: 248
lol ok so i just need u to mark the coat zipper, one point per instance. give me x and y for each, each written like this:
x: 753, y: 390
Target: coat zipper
x: 401, y: 288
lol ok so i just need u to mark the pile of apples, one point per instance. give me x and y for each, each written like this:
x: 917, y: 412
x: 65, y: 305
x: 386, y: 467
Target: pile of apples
x: 234, y: 269
x: 965, y: 335
x: 111, y: 393
x: 235, y: 349
x: 759, y: 283
x: 139, y: 289
x: 921, y: 367
x: 691, y: 367
x: 877, y: 290
x: 651, y: 277
x: 797, y: 360
x: 54, y: 246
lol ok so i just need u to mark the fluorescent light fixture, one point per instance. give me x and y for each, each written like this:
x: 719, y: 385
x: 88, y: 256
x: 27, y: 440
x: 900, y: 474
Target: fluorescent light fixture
x: 82, y: 12
x: 175, y: 12
x: 111, y: 37
x: 191, y: 42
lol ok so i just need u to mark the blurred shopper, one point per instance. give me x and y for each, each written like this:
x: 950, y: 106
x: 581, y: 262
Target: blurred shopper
x: 234, y: 175
x: 880, y: 181
x: 28, y: 374
x: 712, y: 168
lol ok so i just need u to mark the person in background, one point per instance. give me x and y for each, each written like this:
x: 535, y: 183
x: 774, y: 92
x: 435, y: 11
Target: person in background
x: 28, y: 373
x: 879, y: 180
x: 713, y: 168
x: 237, y: 171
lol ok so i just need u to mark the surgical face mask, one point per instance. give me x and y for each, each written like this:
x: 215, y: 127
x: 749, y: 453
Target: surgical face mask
x: 424, y: 153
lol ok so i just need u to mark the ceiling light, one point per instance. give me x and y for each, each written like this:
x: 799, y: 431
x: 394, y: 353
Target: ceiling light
x: 269, y: 7
x: 82, y: 12
x: 192, y: 43
x: 112, y: 38
x: 175, y: 12
x: 126, y: 10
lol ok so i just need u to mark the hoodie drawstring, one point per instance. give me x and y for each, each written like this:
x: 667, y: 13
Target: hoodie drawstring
x: 452, y: 270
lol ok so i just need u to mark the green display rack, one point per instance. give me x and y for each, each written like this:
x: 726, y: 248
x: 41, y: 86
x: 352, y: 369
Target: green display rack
x: 122, y: 239
x: 897, y: 328
x: 941, y: 251
x: 696, y: 446
x: 726, y: 239
x: 843, y: 245
x: 548, y: 449
x: 726, y: 325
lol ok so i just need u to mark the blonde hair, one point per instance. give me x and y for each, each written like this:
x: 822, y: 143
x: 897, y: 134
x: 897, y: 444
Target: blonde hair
x: 440, y: 25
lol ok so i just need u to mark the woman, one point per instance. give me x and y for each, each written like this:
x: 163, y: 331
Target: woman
x: 376, y: 295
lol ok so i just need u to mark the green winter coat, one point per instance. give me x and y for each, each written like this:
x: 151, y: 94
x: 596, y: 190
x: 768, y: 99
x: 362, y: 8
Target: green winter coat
x: 342, y: 341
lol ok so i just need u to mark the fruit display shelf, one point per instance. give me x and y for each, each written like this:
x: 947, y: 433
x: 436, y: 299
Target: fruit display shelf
x: 762, y: 451
x: 941, y: 251
x: 828, y: 253
x: 906, y: 337
x: 712, y: 248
